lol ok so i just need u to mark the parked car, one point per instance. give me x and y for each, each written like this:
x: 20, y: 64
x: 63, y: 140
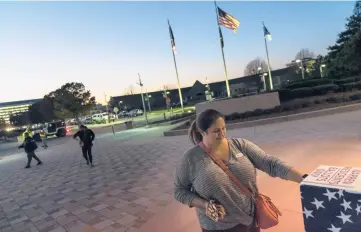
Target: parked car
x: 122, y: 114
x: 135, y: 113
x: 88, y: 120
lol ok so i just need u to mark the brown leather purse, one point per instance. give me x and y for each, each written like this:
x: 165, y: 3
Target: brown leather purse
x: 266, y: 212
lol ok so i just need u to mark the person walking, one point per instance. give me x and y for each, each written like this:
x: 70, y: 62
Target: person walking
x: 43, y: 137
x: 201, y: 182
x: 28, y: 131
x: 30, y: 146
x: 86, y: 142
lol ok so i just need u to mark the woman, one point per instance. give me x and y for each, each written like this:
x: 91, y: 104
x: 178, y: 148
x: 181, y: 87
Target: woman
x: 199, y: 181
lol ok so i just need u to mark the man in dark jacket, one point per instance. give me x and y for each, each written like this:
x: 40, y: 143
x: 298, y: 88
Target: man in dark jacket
x: 30, y: 146
x: 86, y: 142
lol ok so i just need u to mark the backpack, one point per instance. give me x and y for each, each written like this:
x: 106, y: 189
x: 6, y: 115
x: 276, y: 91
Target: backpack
x: 31, y: 145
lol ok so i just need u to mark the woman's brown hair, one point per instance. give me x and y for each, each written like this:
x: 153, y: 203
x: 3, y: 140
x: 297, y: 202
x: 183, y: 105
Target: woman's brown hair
x: 202, y: 123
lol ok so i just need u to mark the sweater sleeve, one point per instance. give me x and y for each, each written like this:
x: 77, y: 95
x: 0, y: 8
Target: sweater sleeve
x: 272, y: 165
x: 183, y: 183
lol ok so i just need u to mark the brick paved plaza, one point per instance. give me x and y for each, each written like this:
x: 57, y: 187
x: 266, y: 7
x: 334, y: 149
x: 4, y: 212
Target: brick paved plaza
x: 132, y: 181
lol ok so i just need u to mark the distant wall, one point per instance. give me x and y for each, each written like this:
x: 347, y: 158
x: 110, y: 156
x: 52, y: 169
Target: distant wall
x: 242, y: 104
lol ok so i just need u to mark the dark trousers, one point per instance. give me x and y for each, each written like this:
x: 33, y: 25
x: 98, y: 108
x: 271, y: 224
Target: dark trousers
x: 32, y: 155
x: 239, y: 228
x: 87, y: 153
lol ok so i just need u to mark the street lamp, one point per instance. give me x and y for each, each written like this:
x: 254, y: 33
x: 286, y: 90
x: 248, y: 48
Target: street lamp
x: 148, y: 99
x: 303, y: 74
x: 165, y: 95
x: 140, y: 83
x: 264, y: 80
x: 322, y: 66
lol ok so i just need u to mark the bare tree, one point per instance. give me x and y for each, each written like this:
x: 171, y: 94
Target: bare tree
x: 304, y: 54
x: 255, y: 66
x: 129, y: 90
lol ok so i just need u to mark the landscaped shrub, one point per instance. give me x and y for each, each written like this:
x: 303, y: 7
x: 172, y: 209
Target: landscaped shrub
x: 267, y: 111
x: 297, y: 104
x: 258, y: 112
x: 309, y: 83
x: 334, y: 100
x: 287, y: 107
x: 284, y: 94
x: 351, y: 86
x: 235, y: 116
x: 276, y: 109
x: 303, y: 80
x: 355, y: 97
x: 347, y: 80
x: 301, y: 93
x: 317, y: 101
x: 324, y: 89
x: 300, y: 103
x: 248, y: 114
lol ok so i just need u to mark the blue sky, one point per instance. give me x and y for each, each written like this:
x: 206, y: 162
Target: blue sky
x: 105, y: 44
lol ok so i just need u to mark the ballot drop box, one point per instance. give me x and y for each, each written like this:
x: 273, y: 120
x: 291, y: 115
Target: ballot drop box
x: 331, y: 199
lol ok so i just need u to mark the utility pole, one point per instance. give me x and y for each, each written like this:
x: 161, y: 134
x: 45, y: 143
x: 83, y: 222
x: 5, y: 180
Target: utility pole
x: 141, y: 92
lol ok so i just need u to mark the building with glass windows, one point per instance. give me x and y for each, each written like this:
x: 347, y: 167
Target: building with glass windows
x: 10, y: 108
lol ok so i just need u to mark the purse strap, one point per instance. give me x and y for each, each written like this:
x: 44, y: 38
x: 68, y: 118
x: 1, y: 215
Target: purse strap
x: 225, y: 168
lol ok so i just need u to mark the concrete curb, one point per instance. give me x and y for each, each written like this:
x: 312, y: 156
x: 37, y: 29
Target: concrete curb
x: 286, y: 118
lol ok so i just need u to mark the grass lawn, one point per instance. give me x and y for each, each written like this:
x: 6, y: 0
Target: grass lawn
x: 175, y: 110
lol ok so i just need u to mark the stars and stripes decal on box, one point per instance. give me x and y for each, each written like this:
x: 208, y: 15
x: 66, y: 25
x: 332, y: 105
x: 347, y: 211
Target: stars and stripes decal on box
x: 331, y: 200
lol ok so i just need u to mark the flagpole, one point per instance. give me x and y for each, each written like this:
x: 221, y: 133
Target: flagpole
x: 176, y: 71
x: 224, y: 61
x: 268, y: 63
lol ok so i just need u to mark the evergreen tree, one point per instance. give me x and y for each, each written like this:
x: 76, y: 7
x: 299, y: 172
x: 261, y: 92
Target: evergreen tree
x: 344, y: 57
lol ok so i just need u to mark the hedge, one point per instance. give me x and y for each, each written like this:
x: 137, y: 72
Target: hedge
x: 324, y: 89
x: 287, y: 94
x: 293, y: 105
x: 351, y: 86
x: 309, y: 83
x: 302, y: 92
x: 303, y: 80
x: 347, y: 80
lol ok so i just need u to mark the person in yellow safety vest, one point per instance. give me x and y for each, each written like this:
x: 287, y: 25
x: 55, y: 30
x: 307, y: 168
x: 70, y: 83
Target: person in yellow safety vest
x: 43, y: 138
x: 28, y: 131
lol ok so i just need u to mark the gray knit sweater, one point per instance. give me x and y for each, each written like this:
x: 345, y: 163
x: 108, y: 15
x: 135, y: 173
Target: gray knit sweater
x: 198, y: 175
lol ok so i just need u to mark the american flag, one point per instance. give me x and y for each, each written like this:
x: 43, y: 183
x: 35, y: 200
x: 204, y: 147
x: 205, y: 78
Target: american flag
x: 330, y: 209
x: 172, y: 38
x: 227, y: 20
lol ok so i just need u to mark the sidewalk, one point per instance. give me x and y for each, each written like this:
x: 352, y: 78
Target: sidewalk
x: 286, y: 195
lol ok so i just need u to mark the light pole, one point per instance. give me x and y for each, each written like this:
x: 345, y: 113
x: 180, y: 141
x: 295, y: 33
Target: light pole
x: 302, y: 70
x: 141, y: 92
x: 165, y: 95
x: 322, y: 66
x: 264, y: 80
x: 259, y: 71
x: 105, y: 99
x: 148, y: 99
x: 208, y: 91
